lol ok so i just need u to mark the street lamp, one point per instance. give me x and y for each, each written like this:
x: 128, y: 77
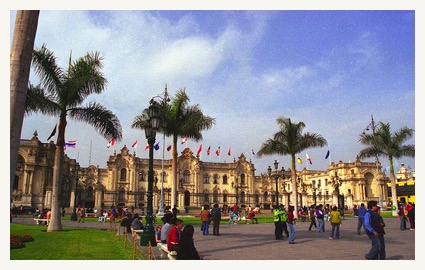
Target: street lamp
x: 337, y: 183
x: 373, y: 126
x: 237, y: 193
x: 74, y: 212
x: 150, y: 132
x: 164, y: 100
x: 314, y: 188
x: 276, y: 176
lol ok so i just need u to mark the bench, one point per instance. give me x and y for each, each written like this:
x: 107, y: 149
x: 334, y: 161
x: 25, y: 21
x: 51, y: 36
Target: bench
x: 172, y: 255
x: 39, y: 221
x: 136, y: 233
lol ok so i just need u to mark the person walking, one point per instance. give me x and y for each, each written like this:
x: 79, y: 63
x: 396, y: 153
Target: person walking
x: 411, y: 215
x: 312, y: 217
x: 291, y: 224
x: 335, y: 220
x: 320, y: 218
x: 382, y: 254
x: 401, y: 217
x: 373, y: 230
x: 360, y: 217
x: 216, y: 218
x: 186, y: 249
x: 205, y: 218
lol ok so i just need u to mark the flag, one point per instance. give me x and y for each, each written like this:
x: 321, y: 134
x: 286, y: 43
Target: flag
x: 156, y: 146
x: 200, y: 149
x: 300, y: 161
x: 134, y: 145
x: 71, y: 144
x: 147, y: 147
x: 209, y: 150
x: 308, y: 158
x: 111, y: 143
x: 184, y: 139
x: 253, y: 153
x: 228, y: 152
x: 169, y: 148
x: 53, y: 132
x: 327, y: 154
x: 217, y: 152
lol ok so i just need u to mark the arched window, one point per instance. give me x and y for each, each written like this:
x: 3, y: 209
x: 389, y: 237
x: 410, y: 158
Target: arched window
x: 242, y: 179
x: 123, y: 175
x: 206, y: 179
x: 243, y: 197
x: 215, y: 178
x: 224, y: 179
x: 186, y: 176
x: 215, y: 196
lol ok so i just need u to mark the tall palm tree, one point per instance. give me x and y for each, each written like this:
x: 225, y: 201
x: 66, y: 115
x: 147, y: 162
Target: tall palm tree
x: 383, y: 143
x: 61, y: 93
x: 178, y: 119
x: 20, y: 64
x: 290, y: 140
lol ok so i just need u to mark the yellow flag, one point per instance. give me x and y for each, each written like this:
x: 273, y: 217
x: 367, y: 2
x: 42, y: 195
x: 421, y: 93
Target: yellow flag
x: 300, y: 160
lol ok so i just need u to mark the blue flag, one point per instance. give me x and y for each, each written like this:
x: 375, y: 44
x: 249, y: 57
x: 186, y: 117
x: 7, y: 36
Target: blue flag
x: 156, y: 146
x: 327, y: 154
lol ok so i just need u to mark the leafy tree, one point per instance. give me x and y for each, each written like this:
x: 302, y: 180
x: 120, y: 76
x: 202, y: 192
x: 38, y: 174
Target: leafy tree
x: 178, y: 119
x: 290, y: 140
x: 62, y: 93
x: 383, y: 143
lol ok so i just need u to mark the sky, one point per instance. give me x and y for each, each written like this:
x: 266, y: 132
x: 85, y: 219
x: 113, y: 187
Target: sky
x: 331, y: 69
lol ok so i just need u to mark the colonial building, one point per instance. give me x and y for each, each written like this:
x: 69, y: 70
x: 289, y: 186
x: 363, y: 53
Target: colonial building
x: 405, y: 180
x: 124, y: 182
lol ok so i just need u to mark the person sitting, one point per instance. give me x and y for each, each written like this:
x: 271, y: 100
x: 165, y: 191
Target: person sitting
x: 158, y: 234
x: 252, y: 217
x: 137, y: 223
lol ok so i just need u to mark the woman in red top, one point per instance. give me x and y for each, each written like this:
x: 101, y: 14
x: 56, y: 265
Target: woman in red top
x: 291, y: 224
x: 173, y: 239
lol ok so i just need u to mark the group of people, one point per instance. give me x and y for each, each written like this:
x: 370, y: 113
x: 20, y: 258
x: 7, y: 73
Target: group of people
x: 284, y: 220
x: 406, y: 213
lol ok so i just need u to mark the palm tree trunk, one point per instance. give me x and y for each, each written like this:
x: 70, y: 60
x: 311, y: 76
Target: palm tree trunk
x: 174, y: 180
x: 20, y: 62
x: 393, y: 187
x: 55, y: 222
x: 294, y: 186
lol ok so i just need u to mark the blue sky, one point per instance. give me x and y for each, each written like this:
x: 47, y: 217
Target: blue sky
x: 330, y: 69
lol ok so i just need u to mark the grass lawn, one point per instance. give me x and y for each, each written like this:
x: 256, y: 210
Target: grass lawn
x: 70, y: 244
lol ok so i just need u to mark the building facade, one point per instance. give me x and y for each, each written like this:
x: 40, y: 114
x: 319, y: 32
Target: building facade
x: 124, y: 182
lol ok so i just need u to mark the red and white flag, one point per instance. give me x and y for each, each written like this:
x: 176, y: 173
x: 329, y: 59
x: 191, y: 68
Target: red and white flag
x: 200, y: 149
x: 147, y: 147
x: 217, y: 152
x: 308, y: 158
x: 111, y: 143
x: 184, y: 140
x: 134, y: 145
x: 229, y: 153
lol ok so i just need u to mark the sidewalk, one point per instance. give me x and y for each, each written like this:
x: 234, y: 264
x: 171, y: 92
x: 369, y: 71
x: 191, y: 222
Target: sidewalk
x: 257, y: 242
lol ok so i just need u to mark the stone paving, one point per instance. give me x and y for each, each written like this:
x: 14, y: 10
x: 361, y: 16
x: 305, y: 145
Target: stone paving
x: 257, y: 242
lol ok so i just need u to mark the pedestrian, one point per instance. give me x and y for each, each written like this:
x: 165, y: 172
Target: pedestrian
x: 312, y: 217
x: 335, y: 220
x: 278, y: 224
x: 320, y: 218
x: 291, y: 224
x: 401, y: 217
x: 360, y: 217
x: 48, y: 216
x: 382, y: 255
x: 411, y: 215
x: 186, y: 249
x: 205, y: 218
x: 373, y: 230
x: 216, y: 218
x: 174, y: 211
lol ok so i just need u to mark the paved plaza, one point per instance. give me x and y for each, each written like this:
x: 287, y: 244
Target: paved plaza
x: 257, y: 242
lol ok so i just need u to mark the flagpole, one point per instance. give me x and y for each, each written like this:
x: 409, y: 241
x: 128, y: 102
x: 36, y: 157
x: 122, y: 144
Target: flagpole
x: 89, y: 154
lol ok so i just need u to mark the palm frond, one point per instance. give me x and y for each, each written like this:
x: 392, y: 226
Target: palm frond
x: 51, y: 75
x: 38, y: 101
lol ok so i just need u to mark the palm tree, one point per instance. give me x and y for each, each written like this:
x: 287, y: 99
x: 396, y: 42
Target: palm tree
x: 61, y: 94
x: 290, y: 140
x: 383, y: 143
x: 178, y: 119
x: 26, y: 24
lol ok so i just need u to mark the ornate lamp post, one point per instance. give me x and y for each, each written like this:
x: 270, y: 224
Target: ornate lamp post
x: 373, y: 126
x: 314, y: 188
x: 276, y: 177
x: 74, y: 212
x: 150, y: 132
x: 236, y: 186
x: 337, y: 183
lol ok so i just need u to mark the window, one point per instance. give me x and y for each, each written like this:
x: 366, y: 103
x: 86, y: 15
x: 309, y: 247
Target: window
x: 242, y: 179
x: 224, y: 197
x: 225, y: 180
x: 215, y: 178
x: 142, y: 176
x: 20, y: 164
x: 141, y: 196
x: 207, y: 198
x: 206, y: 179
x: 186, y: 177
x: 121, y: 195
x: 265, y: 197
x: 123, y: 175
x: 16, y: 182
x: 326, y: 182
x: 215, y: 196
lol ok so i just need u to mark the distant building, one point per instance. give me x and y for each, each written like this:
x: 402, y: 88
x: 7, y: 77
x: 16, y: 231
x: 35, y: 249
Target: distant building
x: 405, y: 179
x: 124, y: 182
